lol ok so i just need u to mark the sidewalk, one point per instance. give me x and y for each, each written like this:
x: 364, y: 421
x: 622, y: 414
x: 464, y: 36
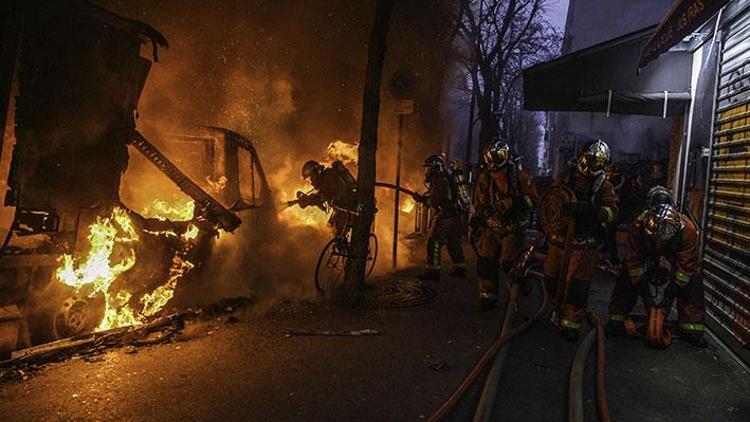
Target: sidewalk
x: 681, y: 383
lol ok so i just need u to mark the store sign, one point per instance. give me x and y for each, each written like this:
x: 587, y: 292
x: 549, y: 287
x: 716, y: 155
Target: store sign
x: 686, y: 16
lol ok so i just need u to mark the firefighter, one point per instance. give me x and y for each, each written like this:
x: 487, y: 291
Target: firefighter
x: 446, y: 226
x: 334, y: 188
x: 661, y: 242
x: 595, y: 208
x: 658, y: 195
x: 503, y: 198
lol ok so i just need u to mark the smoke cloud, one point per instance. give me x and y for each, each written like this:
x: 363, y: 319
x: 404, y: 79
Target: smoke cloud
x: 289, y: 76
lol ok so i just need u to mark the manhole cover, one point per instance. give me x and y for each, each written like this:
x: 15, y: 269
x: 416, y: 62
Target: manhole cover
x: 394, y: 291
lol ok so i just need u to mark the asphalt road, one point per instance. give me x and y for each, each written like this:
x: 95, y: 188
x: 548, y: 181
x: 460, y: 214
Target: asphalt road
x: 249, y: 370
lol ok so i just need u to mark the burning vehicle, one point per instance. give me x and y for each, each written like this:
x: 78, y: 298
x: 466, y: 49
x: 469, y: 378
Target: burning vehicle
x: 77, y: 259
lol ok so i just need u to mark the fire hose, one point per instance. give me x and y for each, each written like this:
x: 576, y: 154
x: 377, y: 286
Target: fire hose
x: 556, y: 223
x: 506, y: 335
x: 394, y: 187
x: 377, y: 184
x: 575, y: 384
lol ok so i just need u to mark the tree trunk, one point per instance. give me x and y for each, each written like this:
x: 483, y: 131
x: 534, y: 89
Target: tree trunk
x: 487, y: 120
x: 351, y: 292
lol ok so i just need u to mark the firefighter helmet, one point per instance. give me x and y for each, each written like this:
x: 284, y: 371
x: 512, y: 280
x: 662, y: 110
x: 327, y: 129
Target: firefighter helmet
x: 496, y: 155
x: 311, y: 168
x: 658, y: 195
x: 435, y: 164
x: 662, y: 223
x: 593, y: 157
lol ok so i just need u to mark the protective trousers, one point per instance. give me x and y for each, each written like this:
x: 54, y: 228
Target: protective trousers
x: 691, y: 308
x: 445, y: 231
x: 580, y: 272
x: 494, y: 252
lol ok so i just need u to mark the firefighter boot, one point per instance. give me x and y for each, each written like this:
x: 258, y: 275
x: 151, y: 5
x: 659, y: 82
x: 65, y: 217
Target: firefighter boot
x: 574, y: 310
x: 433, y: 261
x: 550, y: 285
x: 487, y: 269
x: 621, y: 326
x: 524, y: 287
x: 692, y: 334
x: 487, y: 301
x: 459, y: 270
x: 430, y: 275
x: 488, y: 289
x: 570, y: 334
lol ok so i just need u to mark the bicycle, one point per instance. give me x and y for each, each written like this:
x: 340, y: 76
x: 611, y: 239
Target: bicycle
x: 332, y: 261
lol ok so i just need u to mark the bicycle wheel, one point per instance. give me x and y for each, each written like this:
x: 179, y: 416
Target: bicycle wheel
x: 372, y: 253
x: 330, y: 269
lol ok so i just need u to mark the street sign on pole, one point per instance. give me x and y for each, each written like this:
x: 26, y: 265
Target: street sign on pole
x: 402, y: 86
x: 398, y: 188
x: 402, y: 107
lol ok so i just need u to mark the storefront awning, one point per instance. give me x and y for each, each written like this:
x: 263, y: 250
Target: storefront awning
x: 605, y: 78
x: 684, y: 18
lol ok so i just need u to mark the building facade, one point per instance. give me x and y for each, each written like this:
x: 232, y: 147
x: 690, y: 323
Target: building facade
x: 591, y: 22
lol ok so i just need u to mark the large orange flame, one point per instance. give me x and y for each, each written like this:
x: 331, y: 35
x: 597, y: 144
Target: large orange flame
x: 179, y: 210
x: 96, y: 273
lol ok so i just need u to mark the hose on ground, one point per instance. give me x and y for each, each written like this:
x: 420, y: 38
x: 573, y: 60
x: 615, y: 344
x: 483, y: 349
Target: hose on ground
x: 601, y: 361
x: 575, y: 386
x: 505, y: 336
x: 575, y: 383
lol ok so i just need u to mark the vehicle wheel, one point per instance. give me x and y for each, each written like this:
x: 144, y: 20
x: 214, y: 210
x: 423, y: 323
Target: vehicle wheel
x: 78, y: 315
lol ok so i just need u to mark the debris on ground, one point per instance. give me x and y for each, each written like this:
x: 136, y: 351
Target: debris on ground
x: 357, y: 333
x: 90, y: 347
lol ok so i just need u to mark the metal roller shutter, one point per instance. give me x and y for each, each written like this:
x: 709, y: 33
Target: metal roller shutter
x: 726, y: 246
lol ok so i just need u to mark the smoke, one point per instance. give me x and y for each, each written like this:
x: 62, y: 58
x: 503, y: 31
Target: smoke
x: 289, y: 76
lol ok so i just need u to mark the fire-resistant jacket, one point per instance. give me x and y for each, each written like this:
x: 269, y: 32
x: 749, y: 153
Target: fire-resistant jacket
x: 681, y: 251
x: 442, y: 195
x: 509, y: 195
x: 604, y: 201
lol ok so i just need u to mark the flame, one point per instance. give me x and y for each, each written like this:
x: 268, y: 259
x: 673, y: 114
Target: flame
x: 97, y: 272
x: 191, y: 233
x: 181, y: 210
x: 111, y: 254
x: 407, y: 205
x: 295, y: 215
x: 153, y: 302
x: 343, y: 151
x: 215, y: 187
x: 310, y: 216
x: 287, y: 182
